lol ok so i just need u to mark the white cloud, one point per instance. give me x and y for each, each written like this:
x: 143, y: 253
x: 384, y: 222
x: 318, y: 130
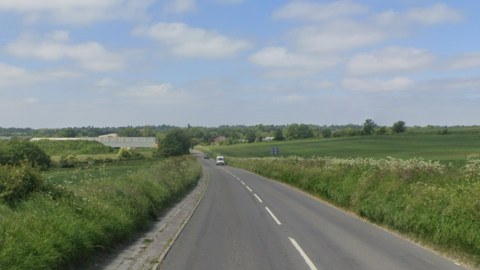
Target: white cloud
x: 183, y: 40
x: 340, y: 35
x: 74, y: 11
x: 376, y: 85
x: 106, y: 83
x: 391, y: 60
x: 285, y: 64
x: 318, y: 85
x: 180, y: 6
x: 452, y: 84
x: 464, y: 61
x: 289, y: 99
x: 12, y: 76
x: 54, y: 47
x: 436, y: 14
x: 156, y: 93
x: 310, y: 11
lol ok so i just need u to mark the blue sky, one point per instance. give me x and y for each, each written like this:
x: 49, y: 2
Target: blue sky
x: 212, y: 62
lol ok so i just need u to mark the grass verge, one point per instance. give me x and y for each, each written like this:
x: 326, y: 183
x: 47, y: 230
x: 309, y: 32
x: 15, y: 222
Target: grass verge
x: 51, y: 232
x: 434, y: 203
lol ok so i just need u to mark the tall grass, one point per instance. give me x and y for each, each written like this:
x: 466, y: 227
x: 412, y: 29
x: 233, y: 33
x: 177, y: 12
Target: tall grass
x: 435, y: 203
x: 51, y: 232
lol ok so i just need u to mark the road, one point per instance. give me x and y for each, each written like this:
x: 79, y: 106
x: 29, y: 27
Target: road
x: 249, y: 222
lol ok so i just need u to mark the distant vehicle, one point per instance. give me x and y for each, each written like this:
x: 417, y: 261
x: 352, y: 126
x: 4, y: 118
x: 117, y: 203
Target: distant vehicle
x: 206, y: 156
x: 221, y: 160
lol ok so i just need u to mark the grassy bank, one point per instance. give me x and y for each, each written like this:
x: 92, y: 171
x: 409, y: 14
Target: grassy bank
x: 58, y: 148
x: 448, y: 148
x: 434, y: 203
x: 55, y: 231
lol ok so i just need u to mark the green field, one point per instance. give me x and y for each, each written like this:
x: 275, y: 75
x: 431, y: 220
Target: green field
x: 448, y: 148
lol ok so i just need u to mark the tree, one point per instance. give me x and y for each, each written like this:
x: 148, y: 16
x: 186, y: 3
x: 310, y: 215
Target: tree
x: 326, y: 133
x: 70, y: 133
x: 304, y: 131
x: 177, y: 142
x: 148, y: 131
x: 399, y: 127
x: 130, y: 132
x: 382, y: 130
x: 369, y: 126
x: 278, y: 135
x: 291, y: 131
x: 15, y: 151
x: 250, y: 137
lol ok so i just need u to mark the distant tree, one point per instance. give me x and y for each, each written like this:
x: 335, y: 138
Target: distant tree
x: 130, y: 132
x: 399, y: 127
x: 70, y: 133
x: 260, y: 138
x: 291, y: 132
x: 382, y: 130
x: 326, y: 133
x: 250, y: 137
x: 148, y: 131
x: 369, y: 126
x: 92, y: 134
x: 15, y: 151
x: 278, y: 135
x: 304, y: 131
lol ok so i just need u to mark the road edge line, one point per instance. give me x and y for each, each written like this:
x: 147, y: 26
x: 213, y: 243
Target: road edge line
x: 175, y: 236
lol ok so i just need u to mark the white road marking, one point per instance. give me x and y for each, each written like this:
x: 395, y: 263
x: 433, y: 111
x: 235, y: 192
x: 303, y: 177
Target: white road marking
x: 258, y: 198
x: 249, y: 189
x: 238, y: 179
x: 305, y: 257
x: 273, y: 216
x: 233, y: 175
x: 243, y: 183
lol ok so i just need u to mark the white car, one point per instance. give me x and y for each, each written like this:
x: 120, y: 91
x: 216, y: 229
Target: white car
x: 220, y: 160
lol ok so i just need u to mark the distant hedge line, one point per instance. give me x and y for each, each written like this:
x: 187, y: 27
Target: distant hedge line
x: 80, y: 147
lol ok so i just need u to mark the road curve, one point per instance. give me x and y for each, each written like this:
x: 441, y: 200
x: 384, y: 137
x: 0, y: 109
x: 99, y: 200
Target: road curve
x: 249, y: 222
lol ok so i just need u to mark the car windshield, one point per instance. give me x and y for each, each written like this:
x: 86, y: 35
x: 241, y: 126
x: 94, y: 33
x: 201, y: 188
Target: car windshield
x: 219, y: 158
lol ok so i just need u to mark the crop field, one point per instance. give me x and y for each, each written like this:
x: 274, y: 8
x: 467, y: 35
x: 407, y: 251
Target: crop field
x: 447, y: 148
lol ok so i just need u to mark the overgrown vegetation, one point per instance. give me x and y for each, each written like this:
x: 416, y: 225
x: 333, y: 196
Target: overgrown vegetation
x: 177, y: 142
x: 54, y: 230
x: 434, y: 202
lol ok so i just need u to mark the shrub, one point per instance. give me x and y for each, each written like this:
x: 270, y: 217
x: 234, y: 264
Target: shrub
x: 68, y: 161
x: 124, y: 153
x: 15, y: 151
x: 399, y: 127
x: 17, y: 182
x: 176, y: 143
x: 326, y: 133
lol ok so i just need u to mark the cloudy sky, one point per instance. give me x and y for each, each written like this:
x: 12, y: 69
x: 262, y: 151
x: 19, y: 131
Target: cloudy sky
x: 212, y: 62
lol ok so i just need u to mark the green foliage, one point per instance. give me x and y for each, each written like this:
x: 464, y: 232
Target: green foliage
x: 369, y: 126
x: 79, y: 147
x: 124, y: 153
x: 295, y: 131
x: 436, y: 203
x: 443, y: 132
x: 15, y: 151
x: 130, y: 132
x: 382, y: 131
x: 177, y: 142
x: 278, y: 135
x: 326, y: 133
x: 51, y: 232
x: 250, y: 137
x: 399, y: 127
x: 68, y: 161
x: 17, y: 182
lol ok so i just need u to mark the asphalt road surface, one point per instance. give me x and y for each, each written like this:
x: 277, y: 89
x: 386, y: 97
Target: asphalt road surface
x: 249, y: 222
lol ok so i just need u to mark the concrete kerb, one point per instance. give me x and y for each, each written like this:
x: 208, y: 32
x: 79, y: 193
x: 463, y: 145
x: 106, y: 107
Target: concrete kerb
x: 174, y: 237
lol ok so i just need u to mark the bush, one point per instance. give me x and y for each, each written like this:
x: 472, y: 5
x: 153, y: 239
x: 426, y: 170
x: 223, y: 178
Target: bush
x: 399, y: 127
x: 79, y: 147
x: 17, y: 182
x: 15, y: 151
x: 68, y: 161
x: 124, y: 153
x: 326, y: 133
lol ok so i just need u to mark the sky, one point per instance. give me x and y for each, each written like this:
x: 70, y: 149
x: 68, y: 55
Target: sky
x: 66, y: 63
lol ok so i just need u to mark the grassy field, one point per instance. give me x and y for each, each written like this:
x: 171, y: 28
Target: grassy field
x: 447, y: 148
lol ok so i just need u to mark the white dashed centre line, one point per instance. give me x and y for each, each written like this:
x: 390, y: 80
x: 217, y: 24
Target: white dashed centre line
x: 243, y: 183
x: 260, y: 200
x: 305, y: 257
x: 273, y: 216
x: 238, y: 179
x: 249, y: 189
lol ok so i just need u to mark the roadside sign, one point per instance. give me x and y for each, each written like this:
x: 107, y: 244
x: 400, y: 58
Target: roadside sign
x: 274, y: 151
